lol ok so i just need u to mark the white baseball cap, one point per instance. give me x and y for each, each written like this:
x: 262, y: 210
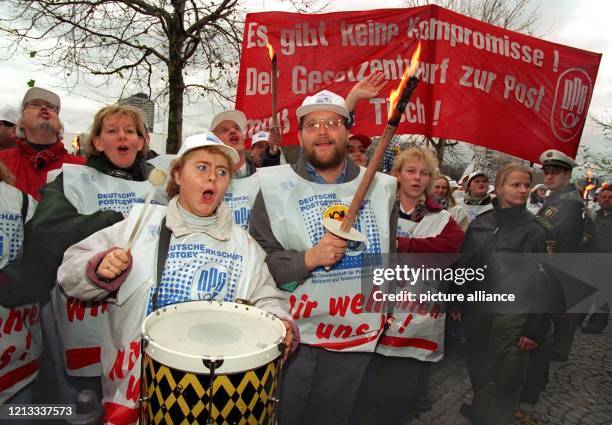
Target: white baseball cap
x: 232, y: 115
x: 260, y: 136
x: 9, y: 114
x: 476, y: 174
x: 323, y: 101
x: 207, y: 139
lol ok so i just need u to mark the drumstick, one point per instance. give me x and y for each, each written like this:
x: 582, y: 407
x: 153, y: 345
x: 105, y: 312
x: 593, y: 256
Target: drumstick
x: 157, y: 178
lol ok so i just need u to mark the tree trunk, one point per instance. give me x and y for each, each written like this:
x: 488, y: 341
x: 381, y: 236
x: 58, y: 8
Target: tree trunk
x: 440, y: 146
x: 176, y: 89
x: 176, y: 84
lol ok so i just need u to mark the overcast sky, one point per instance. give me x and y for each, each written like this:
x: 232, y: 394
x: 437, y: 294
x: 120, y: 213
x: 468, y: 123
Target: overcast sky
x: 584, y: 24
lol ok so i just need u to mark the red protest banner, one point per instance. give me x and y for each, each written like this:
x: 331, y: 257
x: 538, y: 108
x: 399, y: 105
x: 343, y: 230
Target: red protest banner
x: 479, y: 83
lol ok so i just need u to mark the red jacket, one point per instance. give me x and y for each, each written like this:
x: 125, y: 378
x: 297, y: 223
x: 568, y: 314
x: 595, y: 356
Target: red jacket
x: 30, y: 167
x: 448, y: 240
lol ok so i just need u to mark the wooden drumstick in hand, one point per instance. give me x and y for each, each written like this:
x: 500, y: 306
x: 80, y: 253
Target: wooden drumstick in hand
x: 157, y: 178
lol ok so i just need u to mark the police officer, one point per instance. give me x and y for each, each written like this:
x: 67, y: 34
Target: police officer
x: 564, y: 209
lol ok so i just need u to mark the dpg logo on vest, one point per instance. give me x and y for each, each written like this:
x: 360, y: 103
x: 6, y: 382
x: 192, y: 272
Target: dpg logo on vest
x: 241, y: 217
x: 569, y: 111
x: 209, y: 282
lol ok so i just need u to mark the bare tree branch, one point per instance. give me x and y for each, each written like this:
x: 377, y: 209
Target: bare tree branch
x: 143, y: 45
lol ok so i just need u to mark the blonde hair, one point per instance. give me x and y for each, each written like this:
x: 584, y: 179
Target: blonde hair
x: 135, y: 114
x: 449, y: 195
x: 5, y: 175
x: 506, y: 170
x: 173, y: 187
x: 416, y: 154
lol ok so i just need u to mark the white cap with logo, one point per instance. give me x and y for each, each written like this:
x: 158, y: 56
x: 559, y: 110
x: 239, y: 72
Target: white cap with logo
x: 232, y: 115
x: 323, y: 101
x: 207, y: 139
x: 260, y: 136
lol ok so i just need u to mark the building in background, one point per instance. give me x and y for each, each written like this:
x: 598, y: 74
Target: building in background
x: 141, y: 100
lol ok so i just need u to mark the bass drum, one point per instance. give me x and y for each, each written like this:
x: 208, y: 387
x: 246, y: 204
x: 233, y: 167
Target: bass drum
x: 211, y: 363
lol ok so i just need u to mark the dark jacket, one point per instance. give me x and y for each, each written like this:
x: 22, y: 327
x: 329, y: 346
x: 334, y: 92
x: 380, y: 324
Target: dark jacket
x: 564, y: 210
x: 603, y: 225
x: 250, y: 168
x: 289, y: 266
x: 56, y: 225
x: 498, y: 240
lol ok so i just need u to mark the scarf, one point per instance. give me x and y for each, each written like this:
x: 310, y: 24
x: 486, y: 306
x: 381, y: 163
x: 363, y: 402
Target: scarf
x: 181, y: 222
x: 41, y: 158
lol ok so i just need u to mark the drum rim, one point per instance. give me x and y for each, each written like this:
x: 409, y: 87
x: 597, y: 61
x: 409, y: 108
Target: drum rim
x: 273, y: 348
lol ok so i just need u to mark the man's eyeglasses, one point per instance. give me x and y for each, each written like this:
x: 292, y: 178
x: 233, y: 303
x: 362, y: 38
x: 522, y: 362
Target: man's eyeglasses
x: 38, y: 104
x: 329, y: 123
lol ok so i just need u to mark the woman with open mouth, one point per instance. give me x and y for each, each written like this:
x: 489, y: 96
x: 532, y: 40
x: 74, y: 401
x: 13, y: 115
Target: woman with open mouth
x: 200, y: 236
x: 116, y: 148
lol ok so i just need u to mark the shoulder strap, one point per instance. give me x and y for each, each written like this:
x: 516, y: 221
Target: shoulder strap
x: 24, y: 207
x: 162, y: 254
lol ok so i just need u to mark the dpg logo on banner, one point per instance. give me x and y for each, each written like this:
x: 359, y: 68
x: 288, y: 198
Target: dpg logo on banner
x: 209, y: 282
x: 572, y: 96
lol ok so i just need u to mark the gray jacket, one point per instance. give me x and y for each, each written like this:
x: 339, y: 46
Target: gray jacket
x: 289, y: 265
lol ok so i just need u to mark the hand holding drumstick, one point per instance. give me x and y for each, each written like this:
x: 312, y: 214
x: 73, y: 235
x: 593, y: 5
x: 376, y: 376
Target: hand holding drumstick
x: 114, y: 263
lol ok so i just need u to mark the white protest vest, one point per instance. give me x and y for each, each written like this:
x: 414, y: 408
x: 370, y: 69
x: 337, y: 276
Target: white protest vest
x: 458, y: 214
x: 80, y: 323
x: 240, y: 197
x: 473, y: 211
x: 418, y: 329
x: 328, y: 306
x: 198, y: 267
x: 20, y: 335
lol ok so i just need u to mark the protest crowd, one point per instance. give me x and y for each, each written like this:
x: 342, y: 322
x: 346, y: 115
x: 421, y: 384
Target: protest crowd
x: 95, y: 248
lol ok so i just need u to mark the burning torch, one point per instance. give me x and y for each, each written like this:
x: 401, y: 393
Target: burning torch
x: 588, y: 187
x: 398, y: 101
x: 76, y: 144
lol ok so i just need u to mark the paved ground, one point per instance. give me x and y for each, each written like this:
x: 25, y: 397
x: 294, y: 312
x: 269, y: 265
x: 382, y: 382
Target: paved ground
x: 579, y: 391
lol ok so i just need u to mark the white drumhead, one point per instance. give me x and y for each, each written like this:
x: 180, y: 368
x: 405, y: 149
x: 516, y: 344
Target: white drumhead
x: 181, y: 335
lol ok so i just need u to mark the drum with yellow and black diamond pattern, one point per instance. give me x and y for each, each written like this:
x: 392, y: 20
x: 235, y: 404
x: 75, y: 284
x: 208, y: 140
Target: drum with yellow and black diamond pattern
x: 185, y: 344
x: 177, y: 397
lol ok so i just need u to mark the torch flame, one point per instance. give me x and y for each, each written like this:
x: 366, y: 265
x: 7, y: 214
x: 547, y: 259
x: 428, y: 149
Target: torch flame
x: 76, y: 143
x: 408, y: 72
x: 270, y: 50
x: 588, y: 189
